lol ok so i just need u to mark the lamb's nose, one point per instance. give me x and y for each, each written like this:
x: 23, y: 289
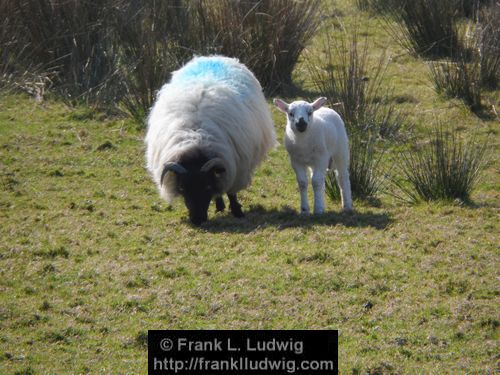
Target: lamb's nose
x: 301, y: 125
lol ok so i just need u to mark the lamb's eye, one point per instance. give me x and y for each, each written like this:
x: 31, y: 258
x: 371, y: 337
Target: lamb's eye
x: 291, y: 113
x: 309, y: 113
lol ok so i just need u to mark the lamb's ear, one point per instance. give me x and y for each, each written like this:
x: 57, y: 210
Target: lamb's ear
x: 282, y: 106
x: 318, y: 103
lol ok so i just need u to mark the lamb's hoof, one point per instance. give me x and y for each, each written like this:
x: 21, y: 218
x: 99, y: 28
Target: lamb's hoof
x: 304, y: 212
x: 347, y: 210
x: 319, y: 212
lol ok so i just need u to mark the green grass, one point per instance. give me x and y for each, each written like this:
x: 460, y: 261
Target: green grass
x: 90, y: 258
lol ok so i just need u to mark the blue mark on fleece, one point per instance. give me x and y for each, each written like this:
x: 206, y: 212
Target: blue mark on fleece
x: 212, y: 69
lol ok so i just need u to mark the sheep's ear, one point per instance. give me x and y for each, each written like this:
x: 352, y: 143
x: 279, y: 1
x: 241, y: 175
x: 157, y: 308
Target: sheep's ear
x: 318, y: 103
x: 282, y: 106
x: 216, y: 165
x: 172, y: 167
x: 216, y: 168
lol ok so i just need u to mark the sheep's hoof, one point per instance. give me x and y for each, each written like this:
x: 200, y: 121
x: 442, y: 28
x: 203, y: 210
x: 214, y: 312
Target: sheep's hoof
x: 304, y: 212
x: 235, y: 206
x: 347, y: 210
x: 238, y: 213
x: 236, y: 210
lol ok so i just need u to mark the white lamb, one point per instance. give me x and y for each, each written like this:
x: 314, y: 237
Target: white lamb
x: 316, y: 138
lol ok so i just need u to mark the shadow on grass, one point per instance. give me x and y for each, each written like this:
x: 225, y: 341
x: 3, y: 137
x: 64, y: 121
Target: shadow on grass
x: 257, y: 217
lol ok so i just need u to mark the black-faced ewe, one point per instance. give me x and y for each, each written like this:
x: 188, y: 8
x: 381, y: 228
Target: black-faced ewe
x: 208, y: 130
x: 315, y: 138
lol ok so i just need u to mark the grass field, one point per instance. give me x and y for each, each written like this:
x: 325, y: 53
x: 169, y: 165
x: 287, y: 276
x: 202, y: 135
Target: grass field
x: 90, y: 258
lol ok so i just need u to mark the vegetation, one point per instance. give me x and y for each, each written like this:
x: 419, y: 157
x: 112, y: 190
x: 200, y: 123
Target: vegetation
x: 364, y: 169
x: 458, y: 79
x: 426, y: 28
x: 474, y: 65
x: 488, y: 44
x: 444, y: 167
x: 123, y: 51
x: 342, y: 72
x: 91, y: 258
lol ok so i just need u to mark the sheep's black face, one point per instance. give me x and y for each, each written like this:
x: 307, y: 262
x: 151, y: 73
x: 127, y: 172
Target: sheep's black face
x: 198, y: 181
x: 197, y: 189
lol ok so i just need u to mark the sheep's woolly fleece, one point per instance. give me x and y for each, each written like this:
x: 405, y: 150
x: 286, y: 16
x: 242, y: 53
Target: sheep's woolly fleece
x: 214, y: 105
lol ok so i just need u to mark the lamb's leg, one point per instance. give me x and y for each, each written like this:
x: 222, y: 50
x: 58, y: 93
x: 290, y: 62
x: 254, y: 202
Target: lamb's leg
x: 235, y: 206
x: 219, y: 204
x: 301, y: 174
x: 318, y: 183
x: 342, y: 175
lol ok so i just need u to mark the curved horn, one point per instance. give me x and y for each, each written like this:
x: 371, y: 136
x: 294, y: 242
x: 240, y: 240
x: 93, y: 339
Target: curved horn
x: 174, y: 167
x: 212, y: 163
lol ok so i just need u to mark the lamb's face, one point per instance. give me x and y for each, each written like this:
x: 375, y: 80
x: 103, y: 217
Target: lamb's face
x: 299, y: 115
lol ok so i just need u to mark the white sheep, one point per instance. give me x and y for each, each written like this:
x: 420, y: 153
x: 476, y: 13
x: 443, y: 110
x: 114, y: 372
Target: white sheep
x: 208, y: 130
x: 316, y: 138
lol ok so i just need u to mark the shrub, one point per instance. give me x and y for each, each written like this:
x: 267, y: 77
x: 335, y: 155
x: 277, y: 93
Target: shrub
x: 5, y: 35
x: 148, y: 36
x: 442, y: 168
x: 125, y: 50
x: 460, y: 78
x: 427, y: 28
x: 364, y: 169
x: 474, y: 65
x: 11, y: 39
x: 488, y: 44
x: 341, y: 75
x: 465, y: 8
x: 267, y: 36
x: 378, y: 6
x: 471, y: 8
x: 363, y: 4
x: 70, y: 41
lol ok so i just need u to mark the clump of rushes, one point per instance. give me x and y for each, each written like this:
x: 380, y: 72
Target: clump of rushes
x: 364, y: 169
x: 474, y: 65
x: 122, y: 52
x: 344, y: 73
x: 377, y: 6
x: 488, y: 45
x: 442, y: 168
x: 460, y: 78
x: 427, y: 28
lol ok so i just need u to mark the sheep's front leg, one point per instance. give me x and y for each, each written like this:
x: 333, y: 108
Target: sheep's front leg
x: 318, y: 183
x: 235, y: 206
x: 219, y: 204
x: 301, y: 174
